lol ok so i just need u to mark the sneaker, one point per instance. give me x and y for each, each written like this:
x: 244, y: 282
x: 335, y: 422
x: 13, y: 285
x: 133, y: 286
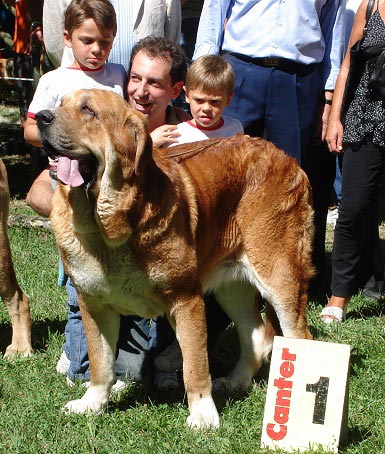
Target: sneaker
x: 332, y: 216
x: 166, y: 381
x: 63, y: 364
x: 170, y: 359
x: 119, y: 386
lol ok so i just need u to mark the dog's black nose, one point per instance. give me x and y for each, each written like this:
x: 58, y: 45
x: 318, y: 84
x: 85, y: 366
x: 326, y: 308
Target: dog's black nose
x: 45, y: 116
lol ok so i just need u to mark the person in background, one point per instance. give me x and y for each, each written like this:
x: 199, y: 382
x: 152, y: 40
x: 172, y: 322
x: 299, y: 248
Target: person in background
x: 351, y: 8
x: 27, y: 41
x: 286, y: 57
x: 356, y: 248
x: 191, y: 12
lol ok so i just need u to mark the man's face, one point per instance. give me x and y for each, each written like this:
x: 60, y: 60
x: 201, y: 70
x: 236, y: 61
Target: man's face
x: 150, y: 88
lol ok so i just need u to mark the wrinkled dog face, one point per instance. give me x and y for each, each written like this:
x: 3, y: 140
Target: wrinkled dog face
x: 86, y: 127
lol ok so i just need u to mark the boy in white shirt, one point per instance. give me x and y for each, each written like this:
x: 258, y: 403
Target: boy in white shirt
x: 209, y: 89
x: 90, y: 29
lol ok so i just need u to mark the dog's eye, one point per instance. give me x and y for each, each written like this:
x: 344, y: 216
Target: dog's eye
x: 87, y: 109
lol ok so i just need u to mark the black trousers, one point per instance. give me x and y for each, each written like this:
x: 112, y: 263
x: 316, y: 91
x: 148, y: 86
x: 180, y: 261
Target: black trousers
x: 356, y: 249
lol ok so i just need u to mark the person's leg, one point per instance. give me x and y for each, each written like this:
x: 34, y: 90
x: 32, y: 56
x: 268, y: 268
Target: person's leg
x: 133, y: 360
x: 321, y: 178
x: 292, y: 114
x: 133, y: 355
x: 353, y: 235
x: 249, y: 102
x: 75, y: 346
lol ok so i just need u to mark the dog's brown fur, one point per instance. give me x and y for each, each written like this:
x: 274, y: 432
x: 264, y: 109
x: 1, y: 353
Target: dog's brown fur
x: 155, y: 231
x: 15, y: 300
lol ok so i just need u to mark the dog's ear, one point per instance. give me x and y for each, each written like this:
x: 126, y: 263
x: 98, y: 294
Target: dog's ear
x: 143, y: 141
x: 143, y: 151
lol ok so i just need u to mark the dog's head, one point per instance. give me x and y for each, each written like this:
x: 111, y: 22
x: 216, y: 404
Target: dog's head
x: 94, y: 131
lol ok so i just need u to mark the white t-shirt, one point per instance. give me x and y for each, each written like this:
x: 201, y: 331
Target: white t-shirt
x: 61, y: 81
x: 189, y: 132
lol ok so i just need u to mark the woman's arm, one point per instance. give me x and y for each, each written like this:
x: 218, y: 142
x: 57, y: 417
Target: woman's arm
x: 335, y: 130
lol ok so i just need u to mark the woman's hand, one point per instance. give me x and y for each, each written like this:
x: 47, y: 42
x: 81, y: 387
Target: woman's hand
x: 165, y: 135
x: 334, y: 136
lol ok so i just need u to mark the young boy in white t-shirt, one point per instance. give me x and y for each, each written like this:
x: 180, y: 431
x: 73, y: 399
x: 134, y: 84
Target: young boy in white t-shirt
x: 209, y: 89
x: 90, y: 29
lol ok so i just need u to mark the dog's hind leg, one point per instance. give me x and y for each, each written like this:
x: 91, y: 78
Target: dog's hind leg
x: 240, y: 301
x: 101, y: 324
x: 16, y: 301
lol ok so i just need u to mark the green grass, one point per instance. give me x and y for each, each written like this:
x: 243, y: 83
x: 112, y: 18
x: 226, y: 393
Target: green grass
x: 140, y: 420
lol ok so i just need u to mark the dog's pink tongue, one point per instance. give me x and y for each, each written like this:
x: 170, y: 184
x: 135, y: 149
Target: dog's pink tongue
x: 68, y: 172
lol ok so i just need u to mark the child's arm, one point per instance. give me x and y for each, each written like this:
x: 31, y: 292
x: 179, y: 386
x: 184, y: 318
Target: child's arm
x: 31, y: 134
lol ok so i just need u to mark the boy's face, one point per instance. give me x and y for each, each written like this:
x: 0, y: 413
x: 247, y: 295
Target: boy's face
x: 150, y: 87
x: 205, y: 108
x: 90, y: 45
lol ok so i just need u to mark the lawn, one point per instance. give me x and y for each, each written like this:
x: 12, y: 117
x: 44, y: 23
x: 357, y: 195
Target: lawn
x: 139, y: 419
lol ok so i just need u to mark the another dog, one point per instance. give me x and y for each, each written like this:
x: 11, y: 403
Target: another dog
x: 147, y: 231
x: 17, y: 303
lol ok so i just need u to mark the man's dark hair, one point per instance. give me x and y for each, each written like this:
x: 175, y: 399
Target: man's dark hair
x: 166, y: 49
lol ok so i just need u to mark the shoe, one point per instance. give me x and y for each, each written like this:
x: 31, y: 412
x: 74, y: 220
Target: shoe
x: 332, y: 216
x: 63, y: 364
x: 170, y: 359
x: 333, y: 314
x: 373, y: 290
x: 166, y: 381
x: 119, y: 385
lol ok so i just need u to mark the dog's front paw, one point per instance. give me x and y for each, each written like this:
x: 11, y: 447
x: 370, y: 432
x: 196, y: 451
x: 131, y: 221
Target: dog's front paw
x: 91, y: 402
x: 13, y: 352
x: 203, y: 414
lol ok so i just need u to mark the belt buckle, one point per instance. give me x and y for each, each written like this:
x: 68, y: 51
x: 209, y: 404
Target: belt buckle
x: 270, y: 61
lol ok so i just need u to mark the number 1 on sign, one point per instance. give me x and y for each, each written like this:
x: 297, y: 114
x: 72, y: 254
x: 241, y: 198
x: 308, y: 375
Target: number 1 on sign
x: 320, y: 389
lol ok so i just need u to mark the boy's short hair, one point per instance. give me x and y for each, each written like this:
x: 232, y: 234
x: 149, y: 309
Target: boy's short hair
x: 101, y: 11
x: 158, y: 47
x: 211, y: 73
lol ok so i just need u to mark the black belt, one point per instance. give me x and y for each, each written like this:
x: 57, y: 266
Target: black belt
x: 282, y: 64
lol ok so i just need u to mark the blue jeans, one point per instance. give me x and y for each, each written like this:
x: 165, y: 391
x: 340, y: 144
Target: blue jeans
x: 133, y: 359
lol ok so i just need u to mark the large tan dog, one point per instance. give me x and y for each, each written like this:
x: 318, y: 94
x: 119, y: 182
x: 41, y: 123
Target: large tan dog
x: 148, y: 231
x: 15, y: 300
